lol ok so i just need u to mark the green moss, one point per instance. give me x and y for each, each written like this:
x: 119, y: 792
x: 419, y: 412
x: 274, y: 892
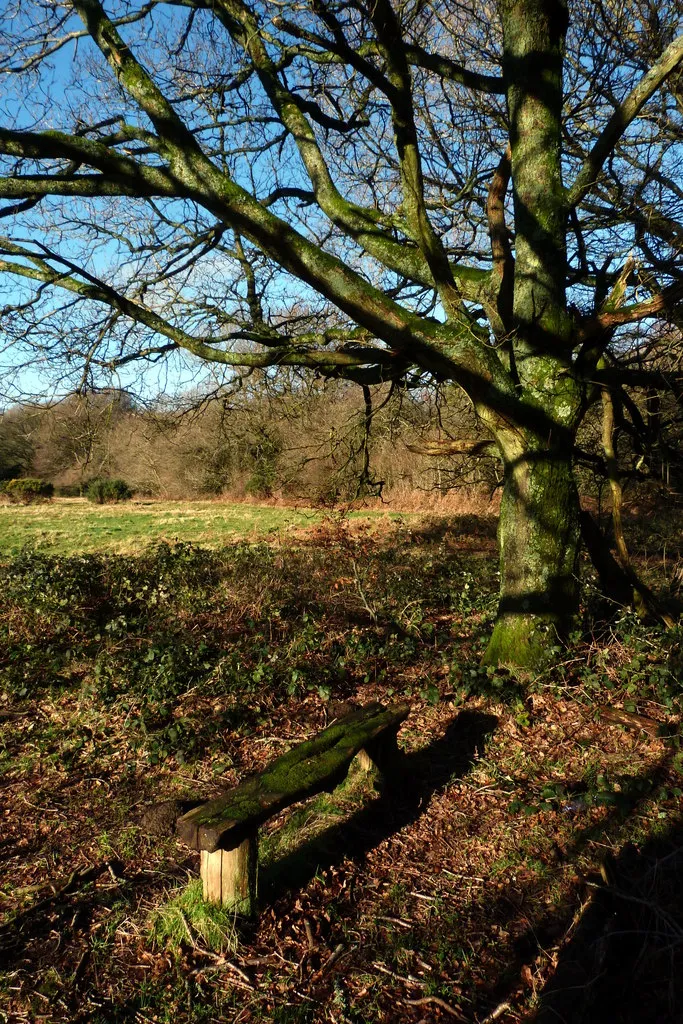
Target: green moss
x: 521, y: 641
x: 309, y: 768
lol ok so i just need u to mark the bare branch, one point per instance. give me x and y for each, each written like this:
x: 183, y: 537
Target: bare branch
x: 622, y: 117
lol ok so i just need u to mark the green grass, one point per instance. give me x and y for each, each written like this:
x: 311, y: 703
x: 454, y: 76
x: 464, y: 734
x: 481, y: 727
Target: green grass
x: 75, y: 526
x: 187, y: 919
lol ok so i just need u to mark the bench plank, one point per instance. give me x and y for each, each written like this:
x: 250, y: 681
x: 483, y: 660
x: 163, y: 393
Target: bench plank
x: 311, y: 767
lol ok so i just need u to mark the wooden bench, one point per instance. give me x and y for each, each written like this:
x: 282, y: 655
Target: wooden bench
x: 225, y: 830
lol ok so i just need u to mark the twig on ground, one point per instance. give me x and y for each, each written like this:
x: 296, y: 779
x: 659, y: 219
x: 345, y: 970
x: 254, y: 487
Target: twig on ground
x: 436, y: 1001
x: 220, y: 961
x: 408, y: 979
x: 495, y: 1014
x: 462, y: 877
x: 332, y: 959
x: 393, y: 920
x: 423, y: 896
x: 239, y: 972
x: 188, y: 930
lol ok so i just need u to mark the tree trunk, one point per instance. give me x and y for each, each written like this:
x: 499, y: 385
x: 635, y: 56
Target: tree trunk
x: 539, y: 521
x: 539, y: 537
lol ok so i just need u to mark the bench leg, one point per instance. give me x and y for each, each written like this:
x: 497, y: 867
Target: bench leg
x: 230, y: 876
x: 382, y: 756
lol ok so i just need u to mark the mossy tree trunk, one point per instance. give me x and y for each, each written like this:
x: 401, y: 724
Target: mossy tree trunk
x: 539, y: 523
x: 539, y: 539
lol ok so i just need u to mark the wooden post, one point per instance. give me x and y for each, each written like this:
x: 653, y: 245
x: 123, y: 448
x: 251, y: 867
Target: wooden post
x: 381, y: 757
x: 230, y: 876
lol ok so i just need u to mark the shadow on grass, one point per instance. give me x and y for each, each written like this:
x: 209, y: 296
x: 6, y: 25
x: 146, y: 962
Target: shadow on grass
x: 453, y: 527
x: 620, y: 937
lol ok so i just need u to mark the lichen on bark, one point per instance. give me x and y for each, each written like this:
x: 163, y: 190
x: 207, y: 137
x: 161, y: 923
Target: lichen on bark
x: 539, y: 539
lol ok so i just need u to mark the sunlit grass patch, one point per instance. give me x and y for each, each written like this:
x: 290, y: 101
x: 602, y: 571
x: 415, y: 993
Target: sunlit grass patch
x: 309, y: 821
x: 188, y: 919
x: 70, y: 526
x: 74, y: 526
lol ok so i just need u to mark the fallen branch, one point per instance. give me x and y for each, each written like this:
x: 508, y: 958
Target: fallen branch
x: 615, y: 716
x: 495, y: 1014
x: 332, y: 959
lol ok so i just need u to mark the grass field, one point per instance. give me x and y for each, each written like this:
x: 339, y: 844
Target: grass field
x: 530, y: 861
x: 74, y: 525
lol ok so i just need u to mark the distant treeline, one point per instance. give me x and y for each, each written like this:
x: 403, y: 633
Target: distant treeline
x: 320, y: 441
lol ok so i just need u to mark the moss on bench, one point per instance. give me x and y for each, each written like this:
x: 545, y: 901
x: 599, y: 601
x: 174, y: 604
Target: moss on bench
x: 309, y: 768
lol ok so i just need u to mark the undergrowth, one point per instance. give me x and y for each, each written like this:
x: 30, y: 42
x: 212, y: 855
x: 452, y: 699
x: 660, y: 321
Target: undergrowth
x: 135, y: 636
x: 128, y: 679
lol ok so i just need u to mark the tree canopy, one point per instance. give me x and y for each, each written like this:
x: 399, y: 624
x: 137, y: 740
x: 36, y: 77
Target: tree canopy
x: 488, y: 195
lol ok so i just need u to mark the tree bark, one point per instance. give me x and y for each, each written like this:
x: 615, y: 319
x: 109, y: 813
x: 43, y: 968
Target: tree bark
x: 539, y: 520
x: 539, y: 538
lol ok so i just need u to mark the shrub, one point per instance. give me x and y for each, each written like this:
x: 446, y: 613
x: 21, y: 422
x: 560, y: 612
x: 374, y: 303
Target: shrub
x: 262, y: 481
x: 107, y: 492
x: 27, y: 490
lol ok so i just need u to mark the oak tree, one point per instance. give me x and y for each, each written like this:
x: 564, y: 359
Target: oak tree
x: 482, y: 194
